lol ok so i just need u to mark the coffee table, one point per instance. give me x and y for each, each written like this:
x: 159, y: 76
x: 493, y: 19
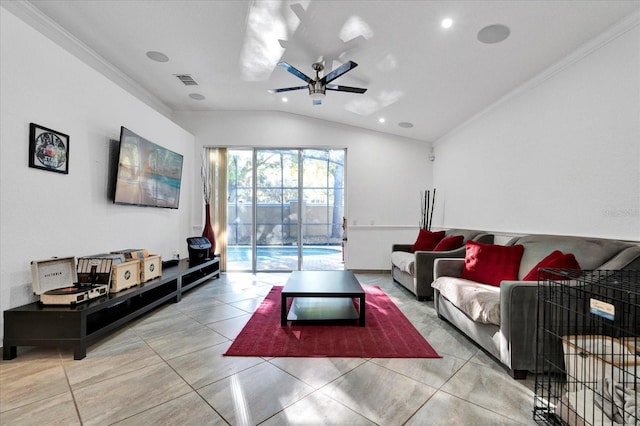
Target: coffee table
x: 322, y: 295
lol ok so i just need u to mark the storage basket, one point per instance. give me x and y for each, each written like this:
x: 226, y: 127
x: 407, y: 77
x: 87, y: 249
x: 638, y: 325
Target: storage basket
x: 150, y: 268
x: 125, y: 275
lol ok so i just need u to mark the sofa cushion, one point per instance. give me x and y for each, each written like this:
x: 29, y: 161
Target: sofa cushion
x: 450, y: 243
x: 556, y: 259
x: 491, y: 264
x: 427, y: 240
x: 404, y: 261
x: 481, y: 302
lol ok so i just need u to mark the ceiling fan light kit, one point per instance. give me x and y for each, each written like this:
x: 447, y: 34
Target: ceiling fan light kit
x: 317, y: 87
x: 317, y: 93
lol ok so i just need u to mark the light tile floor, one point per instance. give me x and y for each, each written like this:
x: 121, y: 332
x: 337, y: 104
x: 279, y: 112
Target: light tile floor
x: 167, y: 368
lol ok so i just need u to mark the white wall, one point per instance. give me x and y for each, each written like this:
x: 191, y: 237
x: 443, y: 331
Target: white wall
x: 384, y: 173
x: 562, y: 157
x: 45, y: 214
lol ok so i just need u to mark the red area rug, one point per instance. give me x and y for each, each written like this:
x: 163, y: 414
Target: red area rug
x: 387, y: 334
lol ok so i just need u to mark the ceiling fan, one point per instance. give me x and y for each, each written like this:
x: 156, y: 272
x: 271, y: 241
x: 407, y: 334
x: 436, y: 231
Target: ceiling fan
x: 318, y: 86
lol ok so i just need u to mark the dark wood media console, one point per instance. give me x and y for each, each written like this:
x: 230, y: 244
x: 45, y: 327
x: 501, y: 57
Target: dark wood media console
x: 76, y: 326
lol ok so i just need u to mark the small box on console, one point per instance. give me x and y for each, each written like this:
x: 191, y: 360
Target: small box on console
x: 150, y: 267
x: 133, y: 253
x: 125, y: 275
x: 125, y: 272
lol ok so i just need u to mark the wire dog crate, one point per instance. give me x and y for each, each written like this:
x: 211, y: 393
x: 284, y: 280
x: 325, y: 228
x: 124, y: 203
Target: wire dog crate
x: 588, y: 355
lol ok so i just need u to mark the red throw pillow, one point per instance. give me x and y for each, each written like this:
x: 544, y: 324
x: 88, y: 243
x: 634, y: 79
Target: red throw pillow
x: 491, y: 264
x: 450, y: 243
x: 427, y: 240
x: 556, y: 260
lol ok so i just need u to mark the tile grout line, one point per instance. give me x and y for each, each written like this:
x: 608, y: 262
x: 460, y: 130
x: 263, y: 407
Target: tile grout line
x: 469, y: 361
x: 73, y: 395
x: 319, y: 390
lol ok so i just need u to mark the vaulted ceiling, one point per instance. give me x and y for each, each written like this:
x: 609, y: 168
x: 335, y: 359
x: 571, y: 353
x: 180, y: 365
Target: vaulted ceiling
x: 415, y: 70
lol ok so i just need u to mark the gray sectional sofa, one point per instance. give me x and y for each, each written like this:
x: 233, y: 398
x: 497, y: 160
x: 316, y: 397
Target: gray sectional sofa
x: 414, y: 271
x: 509, y: 332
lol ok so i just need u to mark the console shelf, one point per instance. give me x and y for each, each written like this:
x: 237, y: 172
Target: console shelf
x: 76, y: 326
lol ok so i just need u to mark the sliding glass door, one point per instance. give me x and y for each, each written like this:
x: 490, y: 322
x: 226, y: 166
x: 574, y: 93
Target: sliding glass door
x: 285, y: 209
x: 322, y: 196
x: 277, y: 188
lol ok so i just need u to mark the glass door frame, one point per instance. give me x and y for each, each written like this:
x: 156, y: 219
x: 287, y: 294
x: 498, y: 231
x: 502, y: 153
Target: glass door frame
x: 300, y: 204
x: 254, y: 241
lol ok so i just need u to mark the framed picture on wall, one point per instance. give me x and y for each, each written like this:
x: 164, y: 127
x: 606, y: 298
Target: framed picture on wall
x: 48, y: 149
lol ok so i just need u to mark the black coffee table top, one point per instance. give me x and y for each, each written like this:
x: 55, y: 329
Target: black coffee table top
x: 323, y: 283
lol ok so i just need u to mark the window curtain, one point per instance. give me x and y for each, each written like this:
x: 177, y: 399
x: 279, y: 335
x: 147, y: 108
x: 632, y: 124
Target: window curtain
x: 217, y: 158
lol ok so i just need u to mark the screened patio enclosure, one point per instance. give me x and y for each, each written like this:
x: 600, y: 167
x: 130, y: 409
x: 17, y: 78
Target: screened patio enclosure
x: 284, y: 209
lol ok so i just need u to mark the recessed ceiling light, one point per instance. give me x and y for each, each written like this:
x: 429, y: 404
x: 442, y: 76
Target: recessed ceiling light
x: 157, y: 56
x: 196, y: 96
x: 285, y: 99
x: 494, y: 33
x: 381, y: 120
x: 447, y: 23
x: 405, y: 124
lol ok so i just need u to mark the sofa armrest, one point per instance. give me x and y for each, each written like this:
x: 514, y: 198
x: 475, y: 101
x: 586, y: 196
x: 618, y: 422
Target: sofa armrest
x: 628, y: 258
x: 484, y: 238
x: 425, y: 261
x: 446, y: 267
x: 518, y: 324
x: 430, y: 256
x: 401, y: 247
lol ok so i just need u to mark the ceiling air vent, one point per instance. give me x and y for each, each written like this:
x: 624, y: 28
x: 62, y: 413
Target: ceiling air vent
x: 186, y: 79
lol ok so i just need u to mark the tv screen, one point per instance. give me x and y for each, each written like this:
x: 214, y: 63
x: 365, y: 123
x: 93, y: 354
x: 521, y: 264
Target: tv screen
x: 147, y: 174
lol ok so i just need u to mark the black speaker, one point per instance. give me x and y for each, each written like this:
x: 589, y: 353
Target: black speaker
x: 198, y: 249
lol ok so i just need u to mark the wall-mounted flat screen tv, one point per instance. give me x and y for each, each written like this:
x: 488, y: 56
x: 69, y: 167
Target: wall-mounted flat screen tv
x: 147, y: 174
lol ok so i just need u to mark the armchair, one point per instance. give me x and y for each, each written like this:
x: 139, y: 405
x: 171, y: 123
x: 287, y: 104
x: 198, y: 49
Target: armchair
x: 414, y: 271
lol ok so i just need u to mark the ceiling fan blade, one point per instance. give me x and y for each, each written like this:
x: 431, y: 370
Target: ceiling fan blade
x: 293, y: 70
x: 287, y: 89
x: 347, y: 66
x: 299, y: 11
x: 345, y: 88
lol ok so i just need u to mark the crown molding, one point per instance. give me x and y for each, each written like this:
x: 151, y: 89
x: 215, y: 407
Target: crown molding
x: 33, y: 17
x: 622, y: 27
